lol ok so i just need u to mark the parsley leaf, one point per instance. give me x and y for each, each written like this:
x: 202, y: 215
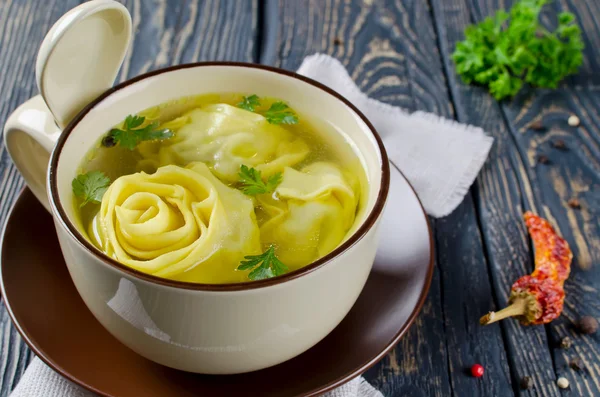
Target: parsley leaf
x: 252, y: 183
x: 280, y: 113
x: 131, y: 134
x: 90, y: 187
x: 249, y: 103
x: 506, y: 51
x: 265, y: 265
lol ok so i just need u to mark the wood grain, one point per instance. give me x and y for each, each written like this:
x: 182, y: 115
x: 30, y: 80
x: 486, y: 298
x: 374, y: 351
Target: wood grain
x: 398, y: 51
x: 390, y: 51
x: 167, y: 32
x: 513, y: 181
x: 171, y: 32
x: 22, y: 27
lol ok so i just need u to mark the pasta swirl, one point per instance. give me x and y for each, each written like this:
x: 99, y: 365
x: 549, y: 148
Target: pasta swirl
x: 178, y: 223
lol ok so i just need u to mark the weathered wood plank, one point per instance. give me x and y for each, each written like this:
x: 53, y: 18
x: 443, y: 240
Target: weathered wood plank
x: 512, y: 182
x: 22, y: 27
x: 390, y: 51
x: 167, y: 32
x: 171, y: 32
x: 572, y: 174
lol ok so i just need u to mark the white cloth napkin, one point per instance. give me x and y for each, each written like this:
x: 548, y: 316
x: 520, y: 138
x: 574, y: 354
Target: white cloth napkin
x: 440, y: 158
x: 39, y: 380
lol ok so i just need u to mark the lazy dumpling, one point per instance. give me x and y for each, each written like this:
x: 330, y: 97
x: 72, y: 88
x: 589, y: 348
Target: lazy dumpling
x: 179, y: 223
x: 225, y: 137
x: 310, y: 213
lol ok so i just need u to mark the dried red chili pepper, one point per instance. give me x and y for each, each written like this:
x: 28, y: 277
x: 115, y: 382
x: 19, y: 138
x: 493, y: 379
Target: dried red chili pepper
x: 539, y: 297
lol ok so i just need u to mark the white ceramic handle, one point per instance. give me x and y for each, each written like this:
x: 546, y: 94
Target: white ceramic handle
x: 29, y: 135
x: 81, y: 55
x: 77, y: 61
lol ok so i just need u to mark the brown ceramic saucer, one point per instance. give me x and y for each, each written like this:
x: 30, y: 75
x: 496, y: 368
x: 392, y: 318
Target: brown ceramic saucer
x: 48, y: 312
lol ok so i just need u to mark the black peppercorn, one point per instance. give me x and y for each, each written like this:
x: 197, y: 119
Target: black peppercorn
x: 542, y: 159
x: 576, y: 363
x: 108, y: 141
x: 559, y: 144
x: 526, y: 382
x: 587, y: 325
x: 537, y: 126
x: 574, y: 203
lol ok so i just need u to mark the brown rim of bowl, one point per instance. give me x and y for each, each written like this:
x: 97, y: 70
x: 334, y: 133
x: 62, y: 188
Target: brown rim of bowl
x: 364, y: 228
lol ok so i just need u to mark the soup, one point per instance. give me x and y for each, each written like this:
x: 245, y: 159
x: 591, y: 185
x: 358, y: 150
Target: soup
x: 219, y: 188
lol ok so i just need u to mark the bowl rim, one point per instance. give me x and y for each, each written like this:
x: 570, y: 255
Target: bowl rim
x: 67, y: 224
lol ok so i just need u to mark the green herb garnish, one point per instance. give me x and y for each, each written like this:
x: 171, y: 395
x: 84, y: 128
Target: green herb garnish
x: 90, y: 187
x: 131, y: 134
x: 252, y: 183
x: 280, y: 113
x: 507, y: 50
x: 265, y: 265
x: 249, y: 103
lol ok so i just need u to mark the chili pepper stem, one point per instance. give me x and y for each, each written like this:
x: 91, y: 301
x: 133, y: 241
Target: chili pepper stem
x: 517, y: 308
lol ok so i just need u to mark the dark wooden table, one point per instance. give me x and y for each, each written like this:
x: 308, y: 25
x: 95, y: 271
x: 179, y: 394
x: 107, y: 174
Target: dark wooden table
x: 399, y: 52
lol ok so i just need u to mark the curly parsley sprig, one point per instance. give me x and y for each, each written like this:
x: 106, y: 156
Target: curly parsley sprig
x: 265, y: 265
x: 507, y: 50
x: 278, y: 113
x: 249, y: 103
x: 133, y: 133
x: 251, y: 182
x: 90, y: 187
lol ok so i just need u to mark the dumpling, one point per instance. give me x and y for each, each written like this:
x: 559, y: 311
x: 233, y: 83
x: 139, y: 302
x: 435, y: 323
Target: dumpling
x: 225, y: 137
x: 309, y: 214
x: 178, y: 223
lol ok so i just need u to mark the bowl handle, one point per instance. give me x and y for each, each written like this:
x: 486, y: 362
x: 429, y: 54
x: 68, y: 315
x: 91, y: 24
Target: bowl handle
x: 78, y: 60
x: 81, y: 55
x: 30, y: 134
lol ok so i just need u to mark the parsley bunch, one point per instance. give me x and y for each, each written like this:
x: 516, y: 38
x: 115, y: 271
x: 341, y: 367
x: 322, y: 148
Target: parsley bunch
x: 507, y: 50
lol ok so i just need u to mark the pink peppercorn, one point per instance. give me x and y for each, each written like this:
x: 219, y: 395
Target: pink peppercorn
x: 477, y: 370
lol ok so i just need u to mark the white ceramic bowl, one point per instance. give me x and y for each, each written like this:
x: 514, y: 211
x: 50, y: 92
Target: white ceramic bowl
x: 212, y: 329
